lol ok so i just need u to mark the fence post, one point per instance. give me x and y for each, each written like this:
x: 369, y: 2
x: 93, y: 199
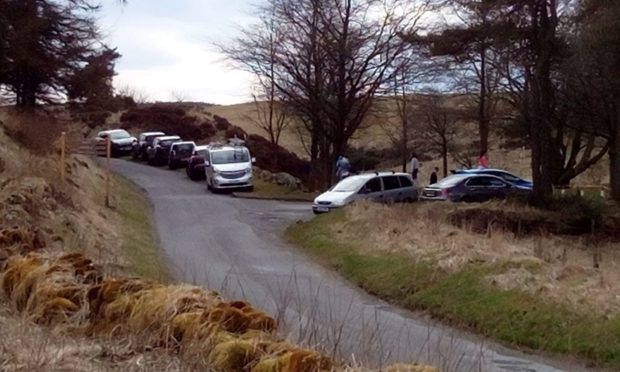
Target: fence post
x: 63, y: 146
x: 108, y: 145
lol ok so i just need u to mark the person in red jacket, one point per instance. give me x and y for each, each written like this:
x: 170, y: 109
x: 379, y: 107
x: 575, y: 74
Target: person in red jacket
x: 483, y: 161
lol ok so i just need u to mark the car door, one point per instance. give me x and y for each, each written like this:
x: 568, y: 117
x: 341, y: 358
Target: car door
x: 409, y: 192
x: 478, y: 189
x: 391, y: 189
x: 373, y: 190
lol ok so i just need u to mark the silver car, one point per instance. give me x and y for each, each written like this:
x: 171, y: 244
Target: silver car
x: 228, y: 167
x: 385, y: 187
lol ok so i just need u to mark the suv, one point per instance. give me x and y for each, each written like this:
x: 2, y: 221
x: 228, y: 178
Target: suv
x: 121, y: 142
x: 144, y: 141
x: 386, y: 187
x: 179, y: 155
x: 228, y: 167
x: 157, y: 153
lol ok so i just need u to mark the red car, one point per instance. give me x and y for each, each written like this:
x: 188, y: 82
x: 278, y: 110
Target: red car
x: 196, y: 164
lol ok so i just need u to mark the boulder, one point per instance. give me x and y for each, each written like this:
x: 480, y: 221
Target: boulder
x: 285, y: 179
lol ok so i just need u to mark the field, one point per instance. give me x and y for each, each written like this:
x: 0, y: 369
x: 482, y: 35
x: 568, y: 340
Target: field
x: 538, y: 291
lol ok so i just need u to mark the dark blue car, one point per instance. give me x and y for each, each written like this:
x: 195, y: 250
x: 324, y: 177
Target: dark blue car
x: 506, y: 176
x: 466, y: 187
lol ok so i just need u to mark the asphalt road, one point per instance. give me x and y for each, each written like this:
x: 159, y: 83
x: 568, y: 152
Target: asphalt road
x: 235, y: 246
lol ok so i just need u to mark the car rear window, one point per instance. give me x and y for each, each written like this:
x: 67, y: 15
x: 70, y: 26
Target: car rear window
x: 391, y: 183
x: 185, y: 147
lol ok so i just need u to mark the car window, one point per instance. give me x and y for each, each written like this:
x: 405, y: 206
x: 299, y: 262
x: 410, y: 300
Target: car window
x: 480, y: 181
x: 230, y: 156
x: 184, y: 147
x: 119, y: 135
x: 391, y: 183
x: 200, y: 152
x: 494, y: 182
x: 405, y: 181
x: 507, y: 176
x: 374, y: 185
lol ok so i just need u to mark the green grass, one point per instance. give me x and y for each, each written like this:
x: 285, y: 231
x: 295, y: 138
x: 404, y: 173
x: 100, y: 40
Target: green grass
x: 135, y: 228
x: 463, y: 299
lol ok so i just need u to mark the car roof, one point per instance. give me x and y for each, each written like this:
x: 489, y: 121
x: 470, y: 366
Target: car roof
x: 165, y: 138
x: 224, y: 147
x: 200, y: 147
x: 481, y: 170
x: 110, y: 131
x: 184, y: 143
x: 152, y: 134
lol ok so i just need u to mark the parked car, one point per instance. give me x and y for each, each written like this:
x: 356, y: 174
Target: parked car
x: 471, y: 188
x: 144, y: 141
x: 387, y: 187
x: 157, y: 153
x: 228, y: 167
x: 196, y: 165
x: 179, y: 154
x: 121, y: 142
x: 505, y: 175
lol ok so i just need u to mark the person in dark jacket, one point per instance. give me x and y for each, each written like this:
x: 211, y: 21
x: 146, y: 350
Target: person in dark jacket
x: 434, y: 176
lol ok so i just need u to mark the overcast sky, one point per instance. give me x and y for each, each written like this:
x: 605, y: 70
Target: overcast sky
x: 168, y: 47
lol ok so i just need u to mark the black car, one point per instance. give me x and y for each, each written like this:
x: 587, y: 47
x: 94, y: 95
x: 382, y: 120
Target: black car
x: 121, y: 142
x: 144, y: 141
x: 196, y: 165
x: 158, y: 152
x: 180, y: 153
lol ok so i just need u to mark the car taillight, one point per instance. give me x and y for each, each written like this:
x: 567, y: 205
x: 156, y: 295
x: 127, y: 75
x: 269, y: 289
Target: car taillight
x: 446, y: 192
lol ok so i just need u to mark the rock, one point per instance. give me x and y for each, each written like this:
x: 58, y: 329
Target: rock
x: 285, y: 179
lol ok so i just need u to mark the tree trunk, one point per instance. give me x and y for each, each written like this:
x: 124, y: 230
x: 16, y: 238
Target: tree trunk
x: 614, y: 165
x: 483, y: 119
x: 444, y: 155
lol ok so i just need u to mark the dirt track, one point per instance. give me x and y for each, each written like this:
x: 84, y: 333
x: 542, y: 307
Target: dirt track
x: 234, y: 245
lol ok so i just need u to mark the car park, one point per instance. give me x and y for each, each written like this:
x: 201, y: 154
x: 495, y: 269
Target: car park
x: 505, y: 175
x: 466, y: 187
x: 196, y: 165
x: 158, y: 152
x: 179, y: 154
x: 228, y: 166
x: 144, y: 141
x: 386, y: 187
x: 121, y: 142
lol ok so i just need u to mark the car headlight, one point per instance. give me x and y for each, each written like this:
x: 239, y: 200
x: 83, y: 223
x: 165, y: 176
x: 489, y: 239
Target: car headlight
x: 248, y: 171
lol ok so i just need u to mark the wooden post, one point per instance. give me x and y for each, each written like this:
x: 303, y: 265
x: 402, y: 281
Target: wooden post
x: 108, y: 145
x: 63, y: 146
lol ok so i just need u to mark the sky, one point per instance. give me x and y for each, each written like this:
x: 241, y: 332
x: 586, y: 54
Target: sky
x: 169, y: 48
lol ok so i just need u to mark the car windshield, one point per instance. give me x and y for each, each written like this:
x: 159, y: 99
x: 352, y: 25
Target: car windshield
x: 349, y: 184
x: 230, y: 156
x: 119, y: 135
x: 452, y: 180
x: 201, y: 152
x: 167, y: 143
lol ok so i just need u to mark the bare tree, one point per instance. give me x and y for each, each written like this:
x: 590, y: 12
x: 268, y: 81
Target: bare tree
x: 438, y: 129
x: 138, y: 96
x: 332, y: 58
x: 179, y: 96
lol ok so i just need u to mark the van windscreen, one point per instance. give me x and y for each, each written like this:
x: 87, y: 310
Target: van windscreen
x: 230, y: 156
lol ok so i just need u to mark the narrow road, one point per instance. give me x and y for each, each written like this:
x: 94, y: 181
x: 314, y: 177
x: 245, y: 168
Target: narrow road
x: 235, y: 246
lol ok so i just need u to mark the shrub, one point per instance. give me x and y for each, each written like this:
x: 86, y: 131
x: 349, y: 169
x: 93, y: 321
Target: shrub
x: 235, y: 131
x: 276, y: 158
x: 221, y: 123
x: 169, y: 119
x: 208, y: 129
x: 579, y: 211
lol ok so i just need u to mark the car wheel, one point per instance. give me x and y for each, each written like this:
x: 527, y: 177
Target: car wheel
x: 250, y: 188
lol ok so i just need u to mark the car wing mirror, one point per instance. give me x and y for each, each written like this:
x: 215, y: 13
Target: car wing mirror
x: 207, y: 163
x: 253, y: 160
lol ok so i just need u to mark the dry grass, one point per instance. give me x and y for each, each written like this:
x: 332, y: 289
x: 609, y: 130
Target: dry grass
x: 556, y: 267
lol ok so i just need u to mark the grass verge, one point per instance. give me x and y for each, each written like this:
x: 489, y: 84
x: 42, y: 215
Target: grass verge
x: 272, y: 191
x: 135, y: 229
x: 463, y: 299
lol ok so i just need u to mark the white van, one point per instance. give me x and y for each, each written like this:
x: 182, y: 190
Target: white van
x: 228, y: 167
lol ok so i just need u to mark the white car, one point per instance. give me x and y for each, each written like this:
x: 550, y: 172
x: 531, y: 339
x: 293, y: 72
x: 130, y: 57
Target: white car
x: 386, y: 187
x: 228, y: 167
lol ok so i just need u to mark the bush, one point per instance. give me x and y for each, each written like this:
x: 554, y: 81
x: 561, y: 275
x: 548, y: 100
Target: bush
x: 168, y: 119
x: 579, y: 210
x: 276, y: 158
x: 208, y: 129
x: 235, y: 131
x: 221, y: 123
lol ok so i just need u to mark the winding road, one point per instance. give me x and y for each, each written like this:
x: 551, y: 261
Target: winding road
x: 235, y: 246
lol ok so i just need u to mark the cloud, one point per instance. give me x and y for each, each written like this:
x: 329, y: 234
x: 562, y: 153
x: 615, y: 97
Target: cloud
x: 170, y: 49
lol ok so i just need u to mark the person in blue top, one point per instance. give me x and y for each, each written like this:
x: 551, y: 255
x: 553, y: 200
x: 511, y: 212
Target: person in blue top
x: 343, y: 167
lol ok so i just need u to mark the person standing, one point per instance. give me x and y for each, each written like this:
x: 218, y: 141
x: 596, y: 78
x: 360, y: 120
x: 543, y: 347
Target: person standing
x: 343, y: 167
x: 434, y: 176
x: 415, y: 168
x: 483, y: 161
